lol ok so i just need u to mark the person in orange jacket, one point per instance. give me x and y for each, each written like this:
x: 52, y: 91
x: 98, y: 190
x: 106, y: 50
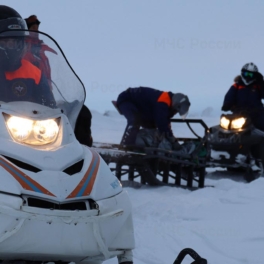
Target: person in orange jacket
x: 152, y: 109
x: 36, y: 48
x: 20, y: 79
x: 246, y: 95
x: 36, y: 54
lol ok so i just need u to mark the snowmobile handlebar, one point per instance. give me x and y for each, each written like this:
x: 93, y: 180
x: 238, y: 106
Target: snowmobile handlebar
x: 188, y: 121
x: 193, y: 254
x: 245, y: 110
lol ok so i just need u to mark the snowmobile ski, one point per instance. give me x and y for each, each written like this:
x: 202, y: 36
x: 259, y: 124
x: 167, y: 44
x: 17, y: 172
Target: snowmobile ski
x: 193, y: 254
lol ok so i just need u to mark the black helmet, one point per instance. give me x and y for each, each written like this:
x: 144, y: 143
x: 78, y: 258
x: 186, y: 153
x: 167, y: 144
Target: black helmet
x: 181, y: 104
x: 12, y: 34
x: 10, y: 19
x: 249, y: 73
x: 7, y: 12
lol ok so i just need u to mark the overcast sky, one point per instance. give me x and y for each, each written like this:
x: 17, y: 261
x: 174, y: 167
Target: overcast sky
x: 190, y: 46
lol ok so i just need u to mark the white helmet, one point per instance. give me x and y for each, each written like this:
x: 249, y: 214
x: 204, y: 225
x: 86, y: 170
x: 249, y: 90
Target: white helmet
x: 181, y: 104
x: 248, y: 73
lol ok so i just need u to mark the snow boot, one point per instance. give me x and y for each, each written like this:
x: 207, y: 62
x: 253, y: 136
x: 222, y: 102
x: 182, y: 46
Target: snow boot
x: 129, y: 136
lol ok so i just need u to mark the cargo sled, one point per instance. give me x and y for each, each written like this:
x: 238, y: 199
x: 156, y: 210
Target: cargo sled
x: 139, y: 165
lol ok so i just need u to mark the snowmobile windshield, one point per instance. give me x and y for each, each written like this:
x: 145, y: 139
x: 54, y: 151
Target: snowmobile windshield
x: 34, y: 69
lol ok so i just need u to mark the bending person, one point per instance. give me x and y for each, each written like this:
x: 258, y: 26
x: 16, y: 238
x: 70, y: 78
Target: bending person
x: 150, y: 108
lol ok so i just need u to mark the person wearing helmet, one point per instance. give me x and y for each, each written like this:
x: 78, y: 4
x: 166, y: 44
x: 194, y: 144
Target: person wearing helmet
x: 246, y: 94
x: 151, y: 108
x: 35, y: 53
x: 20, y: 79
x: 36, y: 48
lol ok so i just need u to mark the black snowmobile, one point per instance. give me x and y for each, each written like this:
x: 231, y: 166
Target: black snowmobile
x: 237, y: 145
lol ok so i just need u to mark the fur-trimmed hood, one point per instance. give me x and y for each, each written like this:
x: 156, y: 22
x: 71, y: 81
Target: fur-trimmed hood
x: 238, y: 79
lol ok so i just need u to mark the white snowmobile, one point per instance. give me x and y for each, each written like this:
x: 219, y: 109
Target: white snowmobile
x: 59, y: 201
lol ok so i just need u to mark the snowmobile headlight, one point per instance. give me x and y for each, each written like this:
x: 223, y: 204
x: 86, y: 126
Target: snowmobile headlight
x: 238, y: 123
x: 224, y: 122
x: 33, y: 132
x: 46, y: 130
x: 20, y: 128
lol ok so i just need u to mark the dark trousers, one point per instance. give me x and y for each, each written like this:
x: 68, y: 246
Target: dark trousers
x: 258, y: 119
x: 135, y: 118
x: 131, y: 113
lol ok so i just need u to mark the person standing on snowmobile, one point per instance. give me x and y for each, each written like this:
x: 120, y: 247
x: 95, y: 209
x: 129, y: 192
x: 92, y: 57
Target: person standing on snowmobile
x: 36, y: 48
x: 32, y: 22
x: 20, y: 79
x: 36, y: 55
x: 151, y: 108
x: 246, y: 95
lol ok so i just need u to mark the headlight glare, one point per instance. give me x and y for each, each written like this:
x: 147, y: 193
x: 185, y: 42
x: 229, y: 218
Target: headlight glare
x: 224, y: 122
x: 19, y: 127
x: 34, y: 132
x: 46, y: 130
x: 238, y: 123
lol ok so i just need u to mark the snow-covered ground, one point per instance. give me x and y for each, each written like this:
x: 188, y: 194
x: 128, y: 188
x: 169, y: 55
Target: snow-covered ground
x: 224, y: 224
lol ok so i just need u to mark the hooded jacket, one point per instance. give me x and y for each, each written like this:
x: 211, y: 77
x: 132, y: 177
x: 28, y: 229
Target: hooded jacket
x: 244, y: 97
x: 152, y: 108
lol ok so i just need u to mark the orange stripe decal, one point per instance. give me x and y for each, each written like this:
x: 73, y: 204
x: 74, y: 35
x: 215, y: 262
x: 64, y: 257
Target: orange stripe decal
x: 24, y: 180
x: 85, y: 186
